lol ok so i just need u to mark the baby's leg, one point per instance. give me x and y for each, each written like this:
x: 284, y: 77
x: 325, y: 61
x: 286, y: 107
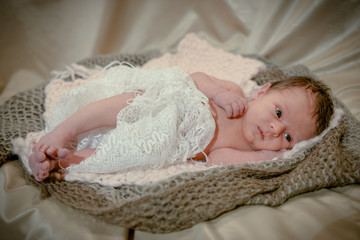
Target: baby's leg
x: 42, y: 165
x: 50, y: 148
x: 98, y: 114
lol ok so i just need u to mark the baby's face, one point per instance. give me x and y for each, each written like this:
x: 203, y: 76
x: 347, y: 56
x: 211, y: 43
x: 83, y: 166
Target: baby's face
x: 277, y: 119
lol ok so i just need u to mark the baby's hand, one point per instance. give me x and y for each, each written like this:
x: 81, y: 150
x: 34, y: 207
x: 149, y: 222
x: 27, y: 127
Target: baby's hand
x: 233, y: 104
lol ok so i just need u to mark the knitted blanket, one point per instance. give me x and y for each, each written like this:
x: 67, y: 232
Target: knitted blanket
x: 180, y: 201
x: 215, y: 61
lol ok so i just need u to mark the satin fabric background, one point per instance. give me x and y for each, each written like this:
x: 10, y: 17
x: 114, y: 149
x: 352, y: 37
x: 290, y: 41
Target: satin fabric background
x: 38, y: 36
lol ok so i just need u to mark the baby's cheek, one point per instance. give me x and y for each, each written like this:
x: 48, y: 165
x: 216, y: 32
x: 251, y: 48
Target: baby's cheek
x: 276, y: 145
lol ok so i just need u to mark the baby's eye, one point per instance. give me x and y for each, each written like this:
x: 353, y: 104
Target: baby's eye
x: 287, y: 136
x: 278, y: 112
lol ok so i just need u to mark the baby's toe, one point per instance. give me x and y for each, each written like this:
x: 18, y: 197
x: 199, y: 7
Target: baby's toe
x: 44, y: 148
x: 57, y: 175
x: 44, y: 175
x: 55, y: 153
x: 45, y: 166
x: 51, y: 151
x: 40, y: 157
x: 41, y: 175
x: 38, y: 177
x: 62, y: 152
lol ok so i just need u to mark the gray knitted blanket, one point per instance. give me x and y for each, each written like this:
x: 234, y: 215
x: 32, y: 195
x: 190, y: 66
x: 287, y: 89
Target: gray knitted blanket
x: 182, y: 201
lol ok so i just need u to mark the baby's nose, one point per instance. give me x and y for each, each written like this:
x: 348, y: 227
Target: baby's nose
x: 277, y: 128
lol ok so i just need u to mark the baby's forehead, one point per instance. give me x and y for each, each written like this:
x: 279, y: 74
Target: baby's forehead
x: 295, y: 92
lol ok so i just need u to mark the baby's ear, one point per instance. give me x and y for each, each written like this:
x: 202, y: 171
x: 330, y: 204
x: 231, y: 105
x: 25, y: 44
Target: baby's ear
x: 261, y: 91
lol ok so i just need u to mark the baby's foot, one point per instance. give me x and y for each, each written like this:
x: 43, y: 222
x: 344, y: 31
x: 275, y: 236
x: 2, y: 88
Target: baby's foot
x: 52, y: 144
x: 54, y: 153
x: 42, y: 164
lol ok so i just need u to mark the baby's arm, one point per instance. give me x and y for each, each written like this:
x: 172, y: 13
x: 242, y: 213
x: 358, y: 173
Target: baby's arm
x: 225, y: 94
x: 226, y: 156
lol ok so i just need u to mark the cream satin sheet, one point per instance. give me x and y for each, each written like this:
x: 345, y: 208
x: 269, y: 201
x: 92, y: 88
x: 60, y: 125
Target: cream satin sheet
x: 40, y: 36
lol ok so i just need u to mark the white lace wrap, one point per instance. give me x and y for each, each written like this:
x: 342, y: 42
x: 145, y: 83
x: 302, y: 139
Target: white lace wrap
x: 170, y: 122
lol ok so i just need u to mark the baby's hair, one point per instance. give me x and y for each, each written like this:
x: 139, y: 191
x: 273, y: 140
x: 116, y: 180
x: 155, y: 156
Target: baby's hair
x: 324, y: 106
